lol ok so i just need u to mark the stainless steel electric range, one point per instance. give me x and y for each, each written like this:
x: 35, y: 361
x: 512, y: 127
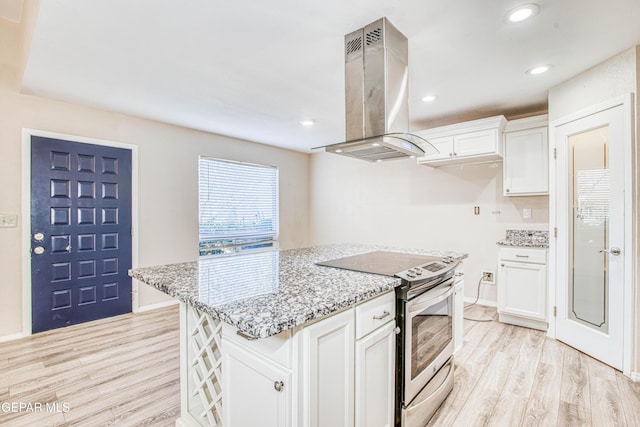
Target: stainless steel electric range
x: 425, y: 327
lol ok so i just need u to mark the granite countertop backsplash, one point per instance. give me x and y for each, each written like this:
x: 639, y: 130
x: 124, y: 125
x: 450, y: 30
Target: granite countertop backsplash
x: 526, y: 238
x: 265, y: 293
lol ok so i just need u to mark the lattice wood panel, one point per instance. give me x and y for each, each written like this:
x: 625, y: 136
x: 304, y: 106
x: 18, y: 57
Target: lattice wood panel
x: 205, y: 365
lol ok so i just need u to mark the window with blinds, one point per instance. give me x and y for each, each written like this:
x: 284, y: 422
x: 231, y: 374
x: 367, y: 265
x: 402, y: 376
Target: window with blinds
x: 238, y: 205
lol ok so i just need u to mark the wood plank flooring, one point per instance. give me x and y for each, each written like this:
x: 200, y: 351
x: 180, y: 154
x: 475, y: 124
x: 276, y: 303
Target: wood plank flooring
x: 120, y: 371
x: 124, y: 371
x: 512, y: 376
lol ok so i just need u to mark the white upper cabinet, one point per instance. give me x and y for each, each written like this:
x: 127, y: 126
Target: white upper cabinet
x: 477, y: 141
x: 526, y: 157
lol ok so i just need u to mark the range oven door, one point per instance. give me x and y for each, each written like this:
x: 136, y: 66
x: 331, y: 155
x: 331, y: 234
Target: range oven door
x: 428, y: 337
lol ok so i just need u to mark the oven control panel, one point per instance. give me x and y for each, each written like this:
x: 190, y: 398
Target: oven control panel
x: 428, y: 270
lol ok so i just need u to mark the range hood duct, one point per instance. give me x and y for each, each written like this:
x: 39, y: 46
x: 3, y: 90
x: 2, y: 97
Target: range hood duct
x: 376, y: 91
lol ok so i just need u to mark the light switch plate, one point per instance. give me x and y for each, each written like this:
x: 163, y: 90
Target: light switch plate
x: 8, y: 220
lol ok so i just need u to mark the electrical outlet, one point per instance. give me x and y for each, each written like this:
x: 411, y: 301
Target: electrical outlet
x: 526, y: 213
x: 488, y: 277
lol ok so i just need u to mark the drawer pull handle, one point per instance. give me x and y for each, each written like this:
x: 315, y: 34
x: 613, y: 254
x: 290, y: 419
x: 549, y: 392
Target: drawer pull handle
x: 522, y: 256
x: 382, y: 316
x: 246, y: 336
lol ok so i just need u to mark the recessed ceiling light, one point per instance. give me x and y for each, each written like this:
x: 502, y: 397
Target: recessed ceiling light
x: 429, y: 98
x: 307, y: 122
x: 523, y: 12
x: 375, y: 144
x: 339, y: 150
x: 539, y: 69
x: 379, y: 161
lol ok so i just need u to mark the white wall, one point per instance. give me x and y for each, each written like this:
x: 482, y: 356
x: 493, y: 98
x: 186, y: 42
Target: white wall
x: 403, y: 204
x: 168, y: 182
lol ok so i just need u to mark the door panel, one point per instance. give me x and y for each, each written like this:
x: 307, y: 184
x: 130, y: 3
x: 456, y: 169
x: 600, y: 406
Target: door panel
x: 80, y: 232
x: 591, y: 224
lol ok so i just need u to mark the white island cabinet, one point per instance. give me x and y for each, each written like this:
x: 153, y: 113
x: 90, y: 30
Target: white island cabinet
x: 286, y: 342
x: 336, y: 371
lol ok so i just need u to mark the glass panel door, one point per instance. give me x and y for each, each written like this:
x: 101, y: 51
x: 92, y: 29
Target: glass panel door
x: 589, y: 189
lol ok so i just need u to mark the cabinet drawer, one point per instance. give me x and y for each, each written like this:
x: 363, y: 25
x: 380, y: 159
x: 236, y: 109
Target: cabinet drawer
x: 375, y: 313
x: 537, y: 256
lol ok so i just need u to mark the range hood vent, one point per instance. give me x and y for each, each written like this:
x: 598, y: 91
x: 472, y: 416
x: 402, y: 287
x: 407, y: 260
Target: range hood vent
x: 376, y: 97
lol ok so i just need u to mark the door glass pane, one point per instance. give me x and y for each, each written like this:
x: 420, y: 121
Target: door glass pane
x: 589, y: 186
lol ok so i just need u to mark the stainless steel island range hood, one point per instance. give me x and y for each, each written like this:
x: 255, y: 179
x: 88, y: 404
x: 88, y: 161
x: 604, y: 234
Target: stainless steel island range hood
x: 376, y: 86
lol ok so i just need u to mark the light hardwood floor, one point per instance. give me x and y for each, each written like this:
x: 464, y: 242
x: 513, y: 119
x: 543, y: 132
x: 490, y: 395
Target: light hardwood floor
x: 512, y: 376
x: 124, y: 371
x: 118, y: 371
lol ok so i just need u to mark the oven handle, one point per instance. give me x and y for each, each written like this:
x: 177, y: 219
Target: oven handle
x: 417, y: 306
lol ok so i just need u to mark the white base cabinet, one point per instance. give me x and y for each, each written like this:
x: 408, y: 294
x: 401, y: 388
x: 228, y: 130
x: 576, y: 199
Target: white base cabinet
x: 337, y: 371
x: 247, y: 377
x: 458, y: 313
x: 327, y: 356
x: 522, y: 287
x: 374, y: 392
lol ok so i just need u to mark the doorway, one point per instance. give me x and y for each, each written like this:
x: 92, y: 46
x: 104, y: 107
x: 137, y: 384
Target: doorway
x: 592, y: 207
x: 80, y: 228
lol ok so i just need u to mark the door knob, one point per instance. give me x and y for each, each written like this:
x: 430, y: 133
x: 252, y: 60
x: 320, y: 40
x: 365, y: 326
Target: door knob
x: 613, y: 251
x: 38, y: 250
x: 38, y: 237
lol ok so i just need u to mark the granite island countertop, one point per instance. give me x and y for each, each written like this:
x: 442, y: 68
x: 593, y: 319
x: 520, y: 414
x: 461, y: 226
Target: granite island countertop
x: 526, y: 238
x: 265, y: 293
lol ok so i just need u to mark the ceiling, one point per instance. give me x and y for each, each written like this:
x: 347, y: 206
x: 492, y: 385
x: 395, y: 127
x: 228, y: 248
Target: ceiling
x: 254, y: 69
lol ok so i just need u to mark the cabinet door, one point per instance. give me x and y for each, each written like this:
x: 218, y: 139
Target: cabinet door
x: 444, y: 145
x: 526, y: 162
x: 256, y: 392
x: 522, y: 290
x: 375, y: 382
x: 475, y: 143
x: 458, y: 313
x: 327, y: 359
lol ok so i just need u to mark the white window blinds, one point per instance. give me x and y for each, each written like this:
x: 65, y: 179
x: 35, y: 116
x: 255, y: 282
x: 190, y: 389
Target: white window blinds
x: 238, y: 206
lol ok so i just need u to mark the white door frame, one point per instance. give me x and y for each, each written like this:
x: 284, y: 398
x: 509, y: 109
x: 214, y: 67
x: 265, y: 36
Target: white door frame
x: 26, y: 213
x: 626, y: 102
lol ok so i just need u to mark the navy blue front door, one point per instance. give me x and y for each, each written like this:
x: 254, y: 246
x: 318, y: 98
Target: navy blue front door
x: 80, y: 232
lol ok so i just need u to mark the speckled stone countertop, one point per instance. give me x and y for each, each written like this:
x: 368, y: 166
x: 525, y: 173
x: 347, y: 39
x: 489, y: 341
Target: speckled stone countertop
x: 526, y: 238
x: 265, y: 293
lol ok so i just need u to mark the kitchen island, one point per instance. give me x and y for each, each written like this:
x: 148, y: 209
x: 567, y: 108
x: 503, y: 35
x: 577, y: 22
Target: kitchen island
x: 267, y: 307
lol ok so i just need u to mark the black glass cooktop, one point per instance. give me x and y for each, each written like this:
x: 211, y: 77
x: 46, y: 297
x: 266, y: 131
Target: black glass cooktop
x: 380, y: 262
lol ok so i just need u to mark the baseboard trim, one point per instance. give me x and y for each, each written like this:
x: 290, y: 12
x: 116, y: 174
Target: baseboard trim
x: 634, y: 376
x: 157, y: 306
x: 485, y: 302
x: 12, y: 337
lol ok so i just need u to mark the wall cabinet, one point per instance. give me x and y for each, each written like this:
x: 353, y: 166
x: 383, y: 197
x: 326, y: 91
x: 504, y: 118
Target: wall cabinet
x: 478, y: 141
x: 522, y: 287
x: 526, y: 157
